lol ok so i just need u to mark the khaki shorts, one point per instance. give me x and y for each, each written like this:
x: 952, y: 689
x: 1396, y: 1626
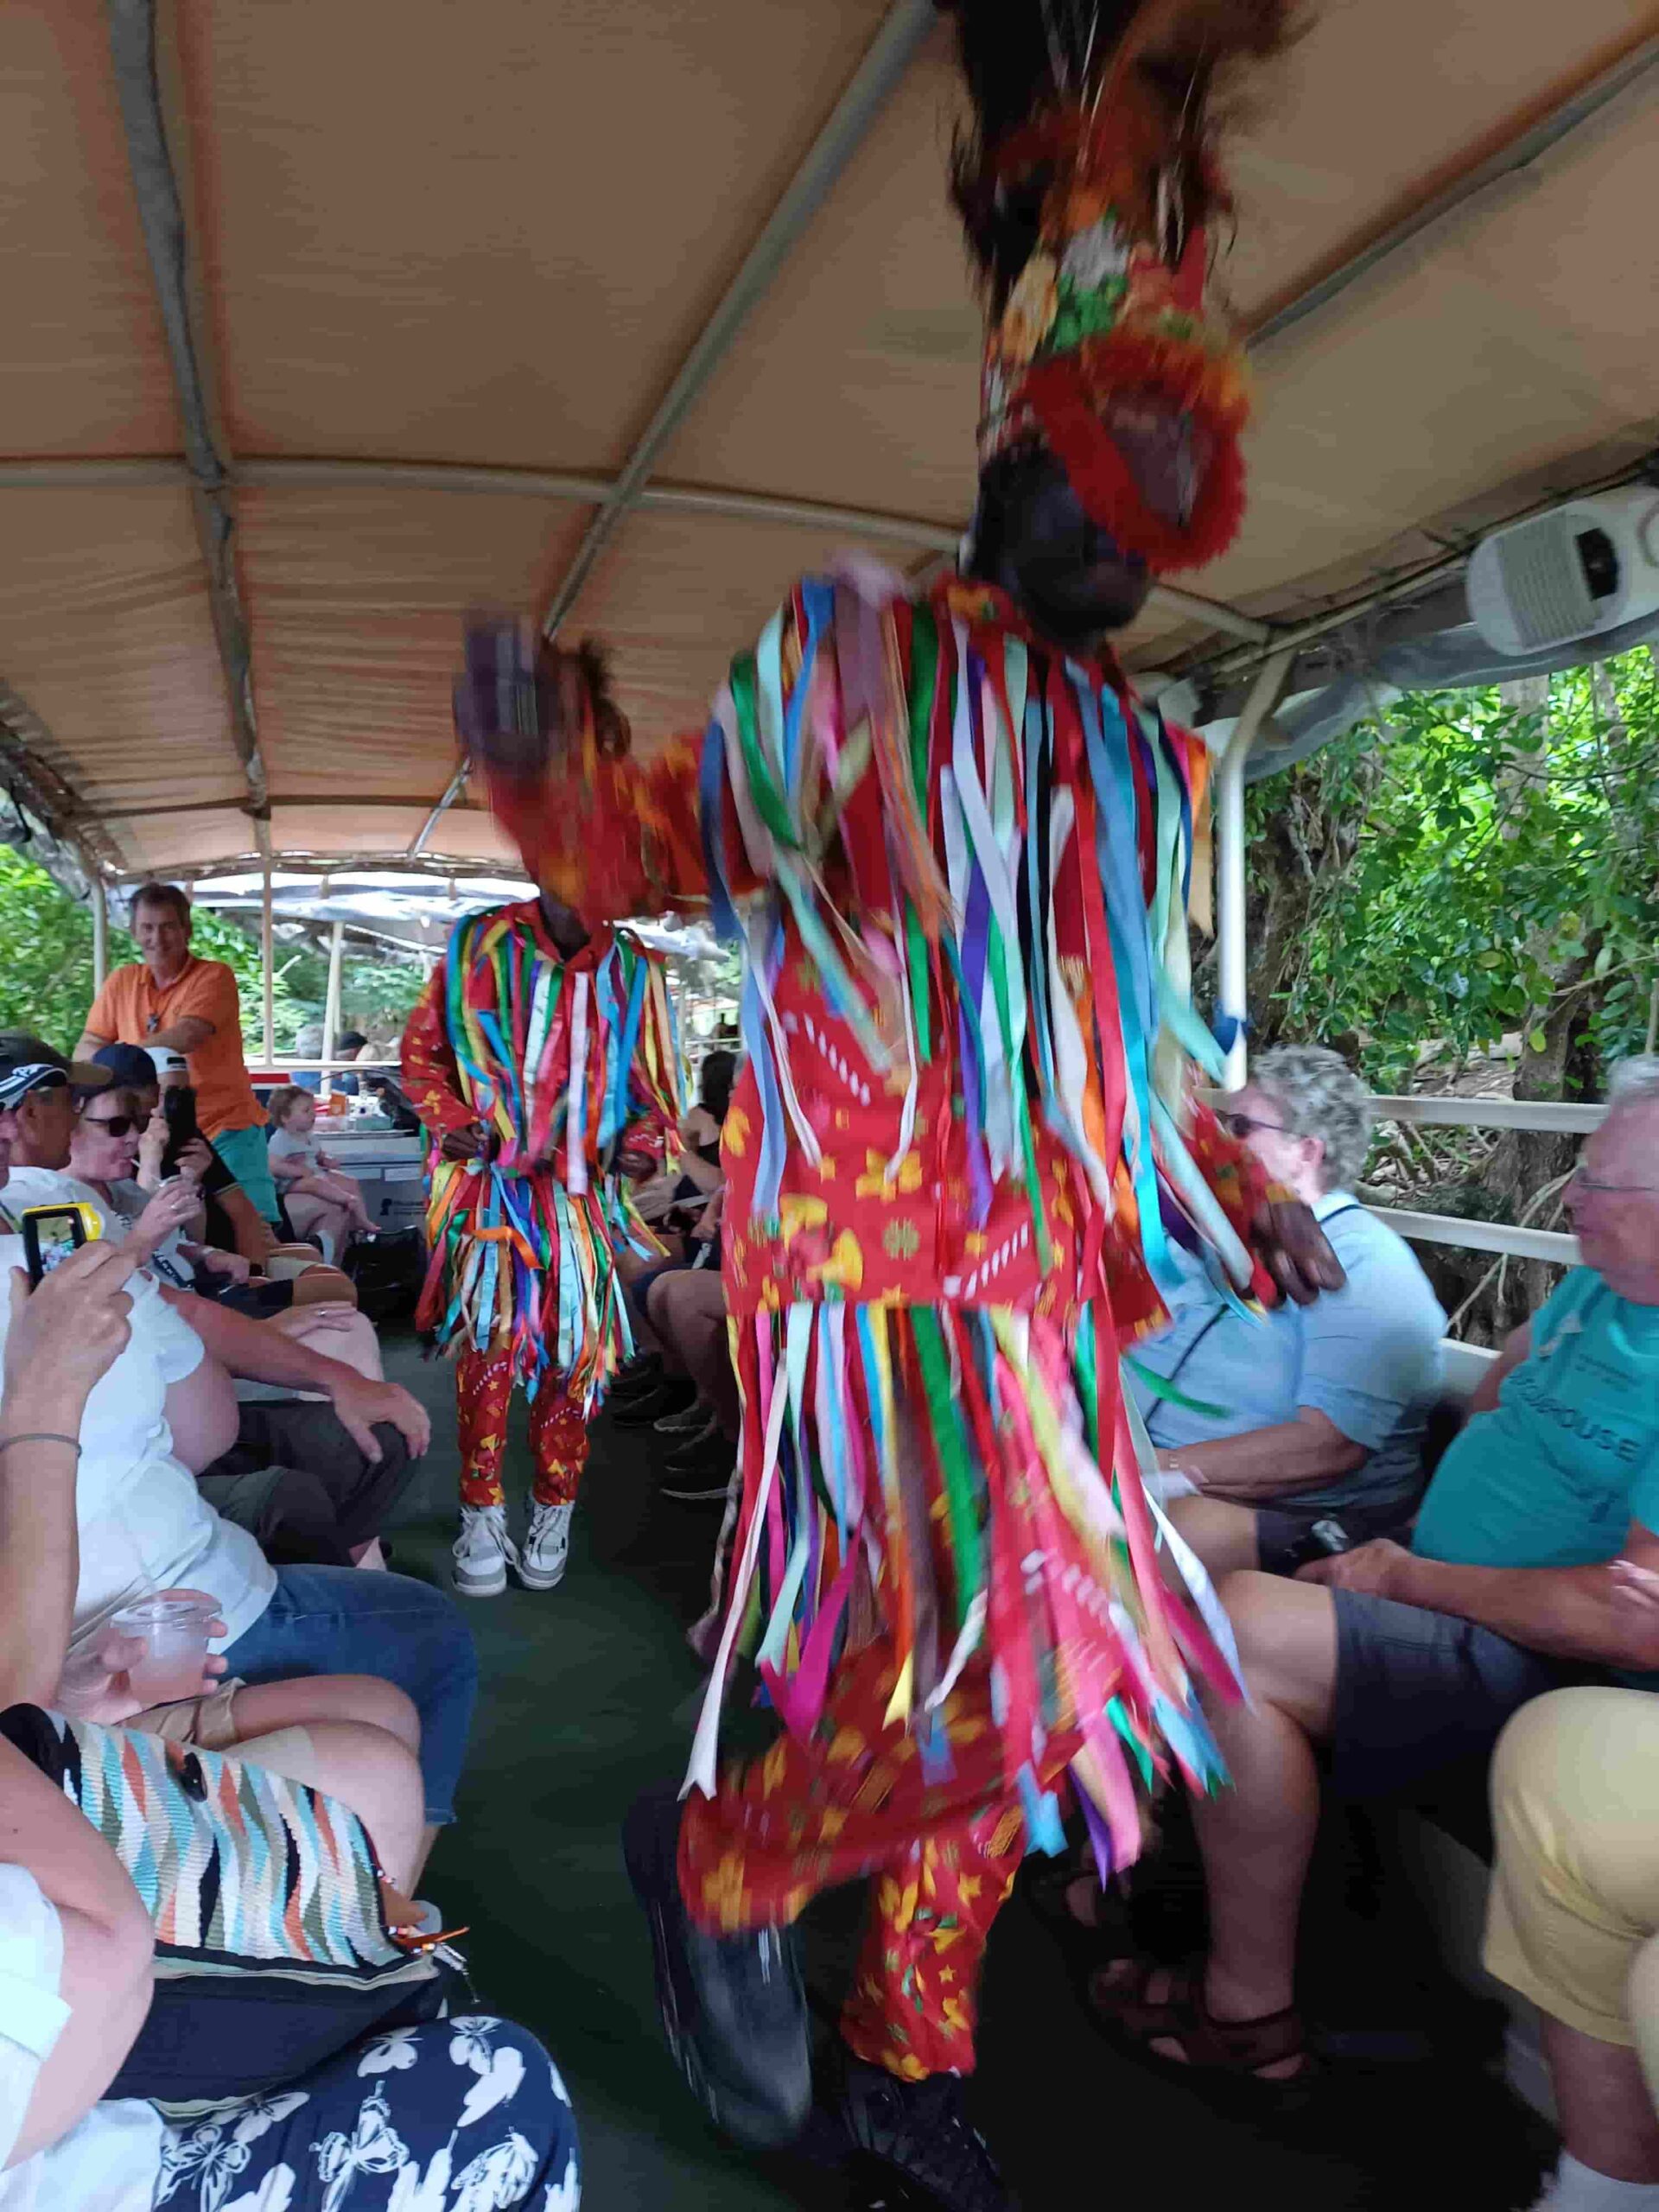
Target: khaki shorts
x: 1573, y: 1917
x: 206, y: 1721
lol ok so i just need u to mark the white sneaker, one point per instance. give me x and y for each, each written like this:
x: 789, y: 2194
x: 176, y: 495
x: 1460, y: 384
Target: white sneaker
x: 547, y: 1547
x: 483, y: 1552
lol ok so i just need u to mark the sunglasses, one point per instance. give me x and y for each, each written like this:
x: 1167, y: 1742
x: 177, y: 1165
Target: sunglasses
x: 1240, y: 1125
x: 118, y: 1125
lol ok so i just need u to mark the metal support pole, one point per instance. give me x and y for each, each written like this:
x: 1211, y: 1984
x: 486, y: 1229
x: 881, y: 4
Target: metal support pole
x: 269, y: 981
x: 100, y: 922
x: 1232, y: 996
x: 331, y: 1003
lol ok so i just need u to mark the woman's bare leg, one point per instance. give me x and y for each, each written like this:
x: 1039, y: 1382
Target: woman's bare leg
x: 362, y: 1700
x: 365, y: 1768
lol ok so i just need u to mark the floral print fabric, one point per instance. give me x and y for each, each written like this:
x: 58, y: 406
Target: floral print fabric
x: 461, y: 2115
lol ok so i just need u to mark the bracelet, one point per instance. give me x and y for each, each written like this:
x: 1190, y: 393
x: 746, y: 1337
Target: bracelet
x: 40, y: 1436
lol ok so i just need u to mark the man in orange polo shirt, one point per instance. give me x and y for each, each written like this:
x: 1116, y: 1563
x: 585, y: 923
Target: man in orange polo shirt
x: 171, y: 999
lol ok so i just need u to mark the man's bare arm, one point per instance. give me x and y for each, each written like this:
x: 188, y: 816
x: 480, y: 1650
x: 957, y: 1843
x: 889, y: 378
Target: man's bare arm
x: 1274, y: 1462
x: 262, y: 1354
x: 91, y: 1042
x: 188, y: 1034
x: 1608, y: 1613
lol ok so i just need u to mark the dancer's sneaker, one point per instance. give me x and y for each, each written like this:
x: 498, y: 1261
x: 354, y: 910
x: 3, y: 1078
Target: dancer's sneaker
x: 483, y: 1552
x: 547, y: 1547
x: 919, y: 2131
x: 733, y: 2006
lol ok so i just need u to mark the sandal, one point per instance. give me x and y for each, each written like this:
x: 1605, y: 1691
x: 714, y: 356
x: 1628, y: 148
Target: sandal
x: 1054, y: 1888
x: 1215, y: 2054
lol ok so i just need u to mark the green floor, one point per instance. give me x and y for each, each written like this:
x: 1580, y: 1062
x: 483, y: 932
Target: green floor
x: 589, y: 1694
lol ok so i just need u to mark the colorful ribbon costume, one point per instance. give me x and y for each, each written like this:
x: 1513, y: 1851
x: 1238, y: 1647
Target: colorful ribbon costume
x: 554, y: 1056
x: 962, y: 1154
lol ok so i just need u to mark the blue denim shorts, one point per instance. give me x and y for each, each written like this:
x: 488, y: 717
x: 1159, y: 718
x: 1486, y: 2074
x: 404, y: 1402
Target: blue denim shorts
x: 341, y: 1620
x: 1418, y: 1694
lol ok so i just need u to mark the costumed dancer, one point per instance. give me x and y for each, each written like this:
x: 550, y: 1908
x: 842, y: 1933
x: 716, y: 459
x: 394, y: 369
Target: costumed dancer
x: 965, y: 1155
x: 537, y: 1052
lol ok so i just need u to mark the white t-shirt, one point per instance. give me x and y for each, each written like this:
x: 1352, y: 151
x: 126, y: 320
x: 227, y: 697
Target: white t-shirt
x: 302, y: 1151
x: 142, y: 1523
x: 111, y: 2160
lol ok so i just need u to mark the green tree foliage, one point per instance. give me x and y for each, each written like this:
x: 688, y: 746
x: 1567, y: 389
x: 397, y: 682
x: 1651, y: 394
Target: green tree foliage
x: 1465, y: 868
x: 46, y: 953
x: 46, y: 967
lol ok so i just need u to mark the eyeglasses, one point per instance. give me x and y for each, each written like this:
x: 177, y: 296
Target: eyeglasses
x: 1586, y: 1182
x: 1240, y: 1125
x: 118, y: 1125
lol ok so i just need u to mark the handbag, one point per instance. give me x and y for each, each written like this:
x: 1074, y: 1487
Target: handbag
x: 272, y: 1946
x: 387, y: 1272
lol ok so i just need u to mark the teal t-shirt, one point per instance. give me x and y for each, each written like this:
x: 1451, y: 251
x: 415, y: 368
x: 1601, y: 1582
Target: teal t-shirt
x: 1569, y: 1457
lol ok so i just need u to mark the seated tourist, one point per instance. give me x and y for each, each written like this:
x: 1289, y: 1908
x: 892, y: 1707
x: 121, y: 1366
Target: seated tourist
x: 76, y: 1943
x: 279, y: 1274
x: 308, y: 1045
x: 685, y: 1310
x: 63, y: 1337
x: 351, y: 1044
x: 1310, y: 1414
x: 1540, y: 1522
x: 1574, y: 1924
x: 475, y: 2096
x: 110, y: 1154
x: 143, y: 1526
x: 280, y: 1457
x: 283, y: 1441
x: 323, y: 1203
x: 103, y: 1146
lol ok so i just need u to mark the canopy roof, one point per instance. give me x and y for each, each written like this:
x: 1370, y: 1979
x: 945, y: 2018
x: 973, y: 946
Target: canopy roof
x: 629, y: 313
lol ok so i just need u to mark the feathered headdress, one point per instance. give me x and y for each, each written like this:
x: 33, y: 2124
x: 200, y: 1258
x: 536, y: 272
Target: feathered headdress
x: 1085, y: 185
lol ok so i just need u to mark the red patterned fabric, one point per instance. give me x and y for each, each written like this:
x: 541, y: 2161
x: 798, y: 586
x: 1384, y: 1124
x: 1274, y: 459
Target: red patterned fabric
x: 940, y: 1833
x: 558, y: 1434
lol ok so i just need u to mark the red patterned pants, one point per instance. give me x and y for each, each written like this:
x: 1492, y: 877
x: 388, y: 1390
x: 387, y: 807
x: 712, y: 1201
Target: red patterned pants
x: 558, y: 1434
x: 858, y: 1800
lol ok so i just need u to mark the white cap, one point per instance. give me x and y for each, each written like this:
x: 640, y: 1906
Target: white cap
x: 165, y: 1060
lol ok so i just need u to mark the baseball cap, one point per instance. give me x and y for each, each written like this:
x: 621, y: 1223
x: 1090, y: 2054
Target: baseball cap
x: 28, y: 1062
x: 129, y: 1066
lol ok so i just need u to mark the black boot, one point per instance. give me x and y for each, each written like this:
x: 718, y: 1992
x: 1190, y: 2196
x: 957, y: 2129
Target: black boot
x: 915, y: 2145
x: 733, y: 2007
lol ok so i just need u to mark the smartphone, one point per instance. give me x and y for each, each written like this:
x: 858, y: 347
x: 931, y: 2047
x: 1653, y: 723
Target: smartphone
x: 179, y: 1110
x: 52, y: 1233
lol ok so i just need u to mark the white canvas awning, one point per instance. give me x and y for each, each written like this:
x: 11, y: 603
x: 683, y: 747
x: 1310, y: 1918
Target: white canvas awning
x: 633, y: 313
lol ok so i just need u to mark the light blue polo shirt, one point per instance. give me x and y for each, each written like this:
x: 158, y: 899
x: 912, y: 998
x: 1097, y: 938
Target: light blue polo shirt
x: 1368, y: 1356
x: 1569, y: 1457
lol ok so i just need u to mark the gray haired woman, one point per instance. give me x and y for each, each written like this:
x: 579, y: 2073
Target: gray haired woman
x: 1269, y: 1428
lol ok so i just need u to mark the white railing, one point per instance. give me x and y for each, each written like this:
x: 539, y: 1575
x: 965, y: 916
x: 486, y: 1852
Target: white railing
x: 1549, y: 1117
x: 1481, y: 1235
